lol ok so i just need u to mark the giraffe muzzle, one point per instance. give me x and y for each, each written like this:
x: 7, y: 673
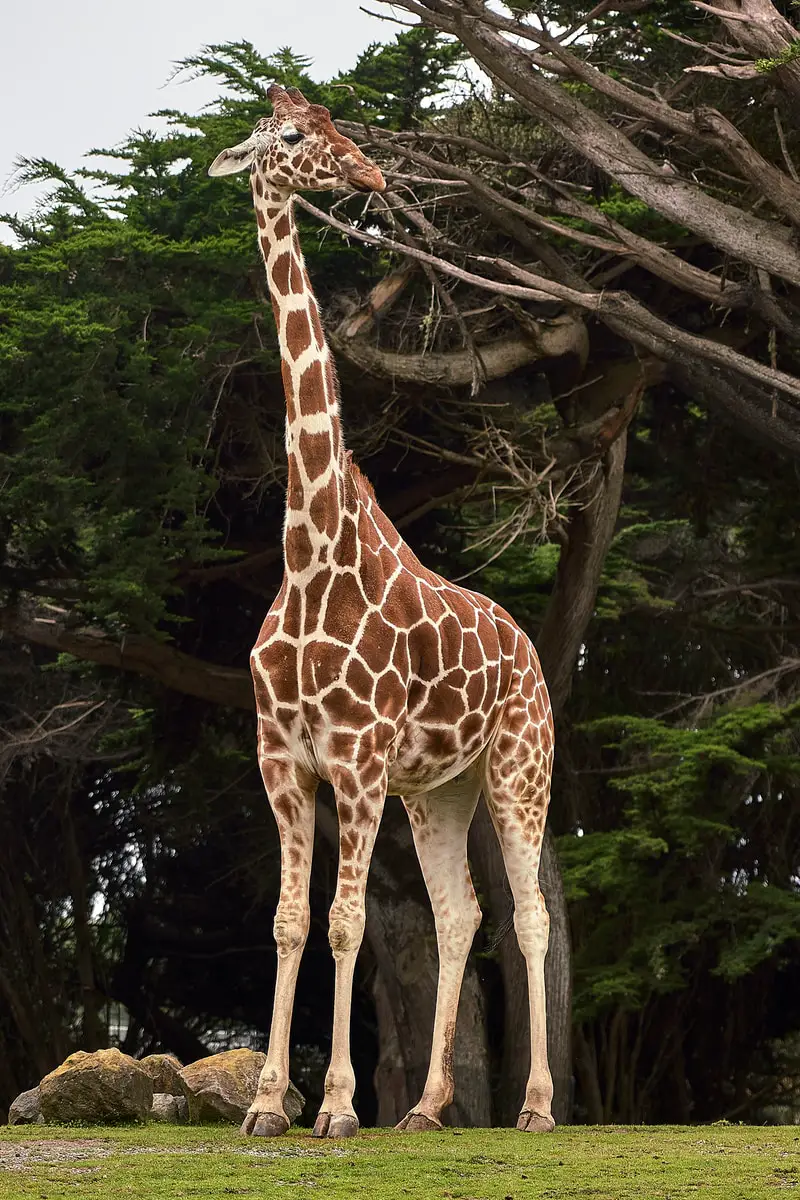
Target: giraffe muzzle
x: 364, y: 177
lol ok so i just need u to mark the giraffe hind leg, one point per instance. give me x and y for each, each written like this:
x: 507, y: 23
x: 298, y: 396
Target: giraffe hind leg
x: 517, y: 789
x: 440, y: 821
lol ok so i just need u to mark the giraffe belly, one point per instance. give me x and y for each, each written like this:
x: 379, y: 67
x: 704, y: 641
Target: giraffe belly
x: 409, y: 777
x: 430, y: 755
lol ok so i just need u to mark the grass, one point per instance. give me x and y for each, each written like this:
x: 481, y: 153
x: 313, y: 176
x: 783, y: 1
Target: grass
x: 655, y: 1163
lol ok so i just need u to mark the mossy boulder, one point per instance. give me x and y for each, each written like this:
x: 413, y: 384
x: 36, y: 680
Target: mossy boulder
x: 103, y: 1087
x: 164, y: 1070
x: 223, y: 1086
x: 26, y: 1109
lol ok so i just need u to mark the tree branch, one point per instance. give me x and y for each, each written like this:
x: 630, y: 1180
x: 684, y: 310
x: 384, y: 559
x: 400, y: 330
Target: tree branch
x: 622, y: 313
x: 729, y: 228
x: 230, y: 686
x: 565, y: 335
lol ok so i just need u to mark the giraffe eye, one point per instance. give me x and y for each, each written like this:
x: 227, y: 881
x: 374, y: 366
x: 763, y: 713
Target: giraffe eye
x: 292, y: 136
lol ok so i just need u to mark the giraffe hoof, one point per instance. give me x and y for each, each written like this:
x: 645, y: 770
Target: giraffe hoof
x: 533, y: 1122
x: 331, y: 1125
x: 416, y: 1122
x: 266, y: 1124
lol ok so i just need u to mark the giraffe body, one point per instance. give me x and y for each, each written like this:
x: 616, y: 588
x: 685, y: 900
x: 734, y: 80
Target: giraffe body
x: 384, y: 657
x: 377, y: 675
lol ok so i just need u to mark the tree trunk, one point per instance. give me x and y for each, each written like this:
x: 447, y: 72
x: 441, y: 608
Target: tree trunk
x: 762, y: 31
x: 30, y: 983
x: 588, y: 1077
x: 94, y: 1033
x: 569, y: 610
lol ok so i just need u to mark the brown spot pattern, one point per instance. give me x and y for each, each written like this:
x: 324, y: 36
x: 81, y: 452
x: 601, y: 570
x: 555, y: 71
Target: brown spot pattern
x: 324, y: 508
x: 315, y: 451
x: 298, y: 338
x: 297, y: 548
x: 345, y: 609
x: 312, y: 388
x: 280, y: 273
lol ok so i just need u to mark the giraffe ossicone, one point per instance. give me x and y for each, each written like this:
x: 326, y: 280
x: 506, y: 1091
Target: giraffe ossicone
x: 377, y: 675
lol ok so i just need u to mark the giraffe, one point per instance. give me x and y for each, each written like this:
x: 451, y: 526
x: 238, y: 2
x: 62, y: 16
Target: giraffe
x: 377, y: 675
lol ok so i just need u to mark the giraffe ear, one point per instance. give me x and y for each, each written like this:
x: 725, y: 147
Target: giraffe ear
x: 235, y: 158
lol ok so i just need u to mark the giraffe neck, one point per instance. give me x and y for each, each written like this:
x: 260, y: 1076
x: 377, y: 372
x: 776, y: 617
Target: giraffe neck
x: 316, y: 477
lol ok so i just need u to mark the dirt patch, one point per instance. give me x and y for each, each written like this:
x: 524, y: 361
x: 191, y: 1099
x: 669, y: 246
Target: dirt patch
x: 16, y: 1156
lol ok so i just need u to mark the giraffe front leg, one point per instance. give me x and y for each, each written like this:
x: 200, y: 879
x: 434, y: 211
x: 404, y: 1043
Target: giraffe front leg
x: 440, y: 823
x: 359, y: 817
x: 292, y: 802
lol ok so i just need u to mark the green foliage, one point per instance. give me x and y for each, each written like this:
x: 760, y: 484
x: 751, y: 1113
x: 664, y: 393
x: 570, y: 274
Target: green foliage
x: 627, y: 582
x: 395, y: 85
x: 138, y: 307
x: 111, y: 327
x: 692, y: 801
x: 789, y: 55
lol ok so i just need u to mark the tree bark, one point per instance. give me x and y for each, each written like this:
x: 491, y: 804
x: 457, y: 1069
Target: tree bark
x: 590, y: 530
x: 764, y: 33
x: 564, y: 335
x: 630, y: 319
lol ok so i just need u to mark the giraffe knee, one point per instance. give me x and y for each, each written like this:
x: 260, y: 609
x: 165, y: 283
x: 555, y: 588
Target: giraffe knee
x: 469, y: 920
x: 290, y: 930
x: 457, y: 929
x: 345, y: 931
x: 532, y: 925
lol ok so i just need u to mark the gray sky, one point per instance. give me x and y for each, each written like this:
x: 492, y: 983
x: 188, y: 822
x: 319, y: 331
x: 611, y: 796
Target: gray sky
x: 82, y: 74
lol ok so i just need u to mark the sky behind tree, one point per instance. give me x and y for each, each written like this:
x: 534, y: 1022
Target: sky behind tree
x: 81, y: 75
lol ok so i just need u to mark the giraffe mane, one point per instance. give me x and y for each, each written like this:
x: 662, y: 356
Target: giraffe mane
x: 363, y: 485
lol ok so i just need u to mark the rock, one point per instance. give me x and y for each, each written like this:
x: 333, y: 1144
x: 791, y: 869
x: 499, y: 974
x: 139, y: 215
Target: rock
x: 105, y: 1086
x: 174, y: 1110
x: 164, y: 1070
x: 293, y: 1102
x: 223, y: 1086
x: 26, y: 1109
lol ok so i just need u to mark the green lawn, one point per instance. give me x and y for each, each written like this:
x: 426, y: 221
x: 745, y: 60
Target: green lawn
x: 730, y: 1162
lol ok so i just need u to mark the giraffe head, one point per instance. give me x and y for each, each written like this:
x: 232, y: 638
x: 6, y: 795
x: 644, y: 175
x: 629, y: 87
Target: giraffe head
x: 298, y: 148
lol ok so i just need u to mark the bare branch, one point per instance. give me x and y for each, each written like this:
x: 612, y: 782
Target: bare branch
x: 157, y: 660
x: 640, y: 325
x: 565, y: 335
x: 732, y: 230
